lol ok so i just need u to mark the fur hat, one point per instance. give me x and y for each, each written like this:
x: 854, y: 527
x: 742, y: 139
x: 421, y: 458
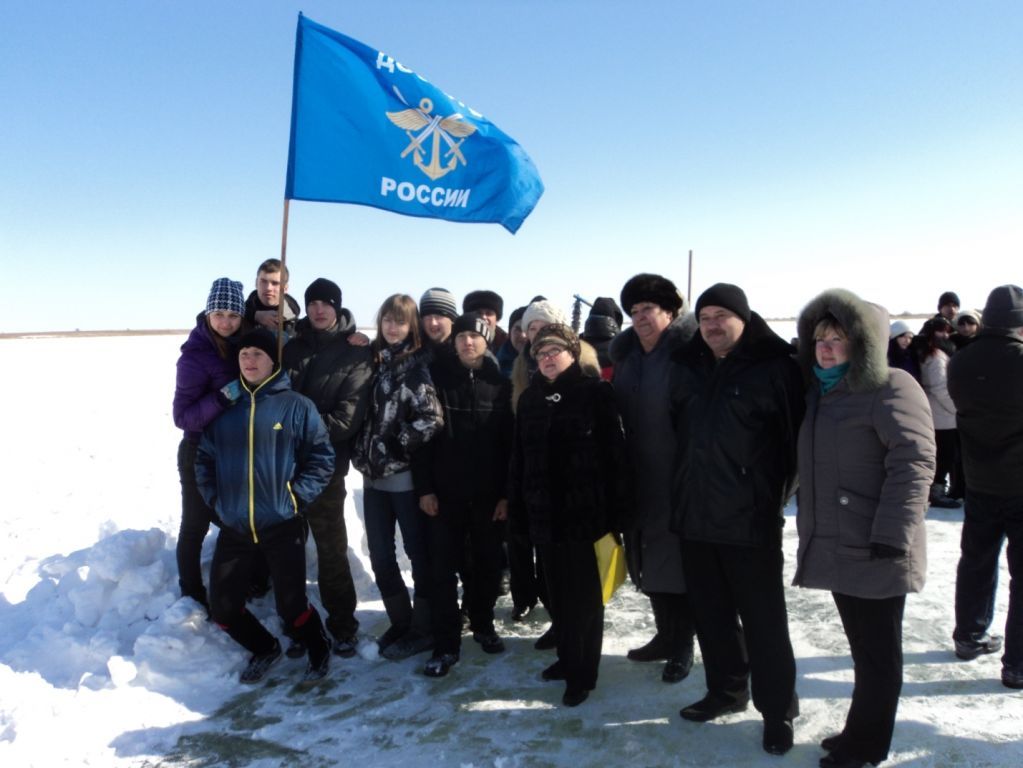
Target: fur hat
x: 898, y: 328
x: 226, y: 295
x: 948, y: 297
x: 477, y: 300
x: 653, y: 288
x: 472, y: 322
x: 726, y: 295
x: 438, y: 301
x: 545, y: 311
x: 322, y: 289
x: 559, y: 334
x: 260, y: 338
x: 1004, y: 308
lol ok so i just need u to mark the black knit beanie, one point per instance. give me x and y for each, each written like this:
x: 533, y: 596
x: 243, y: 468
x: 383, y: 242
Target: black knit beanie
x: 260, y: 338
x: 725, y: 295
x: 1004, y: 308
x: 473, y: 322
x: 322, y: 289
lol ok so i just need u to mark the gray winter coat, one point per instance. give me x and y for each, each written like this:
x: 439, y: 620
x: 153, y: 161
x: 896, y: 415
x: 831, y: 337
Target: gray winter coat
x: 641, y: 382
x: 866, y: 460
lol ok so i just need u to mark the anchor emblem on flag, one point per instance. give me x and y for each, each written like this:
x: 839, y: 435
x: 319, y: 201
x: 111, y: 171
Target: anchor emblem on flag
x: 419, y: 125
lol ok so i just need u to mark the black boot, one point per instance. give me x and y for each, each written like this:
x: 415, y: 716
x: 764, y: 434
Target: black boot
x: 309, y: 629
x: 254, y: 637
x: 659, y: 647
x: 681, y: 631
x: 419, y: 637
x: 399, y: 611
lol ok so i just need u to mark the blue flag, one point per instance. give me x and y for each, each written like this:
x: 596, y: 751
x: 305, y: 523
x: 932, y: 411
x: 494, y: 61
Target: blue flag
x: 365, y: 129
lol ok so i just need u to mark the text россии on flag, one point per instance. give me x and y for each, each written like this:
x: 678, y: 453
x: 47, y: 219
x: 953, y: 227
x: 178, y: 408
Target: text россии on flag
x: 366, y: 129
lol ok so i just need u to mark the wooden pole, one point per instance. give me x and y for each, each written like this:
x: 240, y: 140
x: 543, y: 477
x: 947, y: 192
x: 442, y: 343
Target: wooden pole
x: 284, y: 271
x: 689, y: 287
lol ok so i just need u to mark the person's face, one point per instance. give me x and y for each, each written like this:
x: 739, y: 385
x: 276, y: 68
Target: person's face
x: 831, y: 349
x: 437, y: 327
x: 967, y: 326
x: 489, y: 315
x: 948, y: 311
x: 225, y: 323
x: 904, y: 340
x: 534, y: 328
x: 322, y: 315
x: 649, y: 321
x: 394, y: 331
x: 256, y: 365
x: 471, y: 347
x: 553, y: 360
x: 721, y: 329
x: 269, y: 288
x: 518, y: 337
x: 942, y: 332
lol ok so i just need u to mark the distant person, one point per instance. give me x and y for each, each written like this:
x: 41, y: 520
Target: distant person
x: 324, y: 366
x: 569, y: 487
x: 985, y: 380
x: 491, y: 306
x: 513, y: 345
x: 208, y: 365
x: 948, y: 305
x: 437, y: 312
x: 461, y: 477
x: 403, y: 415
x: 642, y: 373
x: 261, y: 306
x: 737, y: 401
x: 934, y: 350
x: 260, y: 465
x: 900, y: 351
x: 602, y: 324
x: 968, y: 324
x: 866, y: 455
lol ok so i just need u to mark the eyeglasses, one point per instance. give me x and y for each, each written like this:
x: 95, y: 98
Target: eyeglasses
x: 549, y: 354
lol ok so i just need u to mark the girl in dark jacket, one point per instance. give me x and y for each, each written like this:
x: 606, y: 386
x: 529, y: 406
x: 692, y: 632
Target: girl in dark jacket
x: 404, y: 413
x: 569, y: 487
x: 207, y: 383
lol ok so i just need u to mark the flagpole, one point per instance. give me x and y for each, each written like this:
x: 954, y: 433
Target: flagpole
x: 689, y: 288
x: 284, y: 282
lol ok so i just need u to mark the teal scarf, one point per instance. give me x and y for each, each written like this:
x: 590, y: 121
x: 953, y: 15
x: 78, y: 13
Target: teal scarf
x: 829, y: 377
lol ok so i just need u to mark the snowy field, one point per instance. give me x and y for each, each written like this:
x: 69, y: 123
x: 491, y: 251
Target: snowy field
x: 102, y: 665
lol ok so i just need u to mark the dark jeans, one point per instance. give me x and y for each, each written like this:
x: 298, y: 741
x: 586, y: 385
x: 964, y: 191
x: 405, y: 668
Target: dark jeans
x: 874, y: 631
x: 577, y: 608
x: 945, y: 459
x: 447, y: 534
x: 727, y: 584
x: 235, y: 558
x: 526, y: 573
x: 382, y: 510
x: 988, y: 521
x: 326, y: 517
x: 196, y: 517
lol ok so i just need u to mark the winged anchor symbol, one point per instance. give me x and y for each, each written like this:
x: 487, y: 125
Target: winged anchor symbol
x: 419, y: 125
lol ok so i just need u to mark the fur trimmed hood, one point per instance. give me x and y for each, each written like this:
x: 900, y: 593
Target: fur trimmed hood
x: 865, y: 324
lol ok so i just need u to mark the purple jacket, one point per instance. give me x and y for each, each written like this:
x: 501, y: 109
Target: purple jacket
x: 201, y: 374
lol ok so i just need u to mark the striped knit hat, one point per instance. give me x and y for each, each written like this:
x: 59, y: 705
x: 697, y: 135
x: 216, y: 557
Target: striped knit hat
x: 438, y: 301
x: 226, y: 295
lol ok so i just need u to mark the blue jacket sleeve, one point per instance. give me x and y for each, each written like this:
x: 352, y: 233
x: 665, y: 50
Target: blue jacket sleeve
x: 315, y: 457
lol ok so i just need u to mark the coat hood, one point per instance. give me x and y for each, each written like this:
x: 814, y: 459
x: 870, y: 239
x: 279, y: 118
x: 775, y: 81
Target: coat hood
x: 866, y: 325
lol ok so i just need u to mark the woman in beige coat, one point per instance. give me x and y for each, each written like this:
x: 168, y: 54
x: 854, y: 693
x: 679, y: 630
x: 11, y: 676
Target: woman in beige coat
x: 866, y: 461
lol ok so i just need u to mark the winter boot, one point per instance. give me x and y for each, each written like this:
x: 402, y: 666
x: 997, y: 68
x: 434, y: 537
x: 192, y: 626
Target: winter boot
x: 399, y: 611
x: 254, y: 637
x: 659, y: 648
x: 419, y: 637
x: 940, y: 500
x: 680, y: 629
x: 309, y: 628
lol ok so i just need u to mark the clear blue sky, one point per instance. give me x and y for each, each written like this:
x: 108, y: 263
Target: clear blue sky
x: 794, y: 146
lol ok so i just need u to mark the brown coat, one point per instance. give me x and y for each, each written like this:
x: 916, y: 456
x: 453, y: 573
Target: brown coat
x: 866, y: 460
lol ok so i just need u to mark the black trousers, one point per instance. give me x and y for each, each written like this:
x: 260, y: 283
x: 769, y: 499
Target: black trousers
x: 462, y: 532
x: 945, y: 459
x: 196, y: 518
x: 728, y: 584
x: 577, y: 608
x: 326, y: 517
x: 235, y: 559
x: 874, y: 631
x: 525, y: 572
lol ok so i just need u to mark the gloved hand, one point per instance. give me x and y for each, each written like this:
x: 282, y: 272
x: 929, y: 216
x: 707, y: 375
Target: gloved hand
x: 230, y: 392
x: 884, y: 552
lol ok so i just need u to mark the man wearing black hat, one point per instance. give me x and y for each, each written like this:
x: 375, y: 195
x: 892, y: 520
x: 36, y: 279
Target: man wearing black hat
x: 325, y: 367
x: 461, y: 478
x: 985, y: 380
x: 737, y: 402
x: 491, y: 307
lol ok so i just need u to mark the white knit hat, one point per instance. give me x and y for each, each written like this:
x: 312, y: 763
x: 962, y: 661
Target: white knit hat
x: 543, y: 310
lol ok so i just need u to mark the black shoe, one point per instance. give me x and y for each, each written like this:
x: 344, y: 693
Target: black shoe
x: 971, y: 649
x: 944, y: 502
x: 677, y: 670
x: 777, y: 736
x: 520, y: 612
x: 553, y: 672
x: 295, y: 650
x: 390, y: 637
x: 831, y: 743
x: 490, y: 642
x: 1012, y: 677
x: 409, y: 644
x: 439, y: 666
x: 317, y: 669
x: 345, y: 647
x: 574, y: 697
x: 656, y: 650
x: 713, y: 705
x: 838, y: 759
x: 259, y: 664
x: 546, y: 641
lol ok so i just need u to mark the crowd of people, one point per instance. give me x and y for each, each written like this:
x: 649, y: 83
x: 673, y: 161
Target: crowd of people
x: 684, y: 435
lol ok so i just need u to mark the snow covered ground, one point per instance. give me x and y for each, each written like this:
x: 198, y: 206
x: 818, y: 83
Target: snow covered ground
x: 101, y: 664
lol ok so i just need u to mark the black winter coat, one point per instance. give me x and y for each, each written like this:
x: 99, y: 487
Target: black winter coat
x: 569, y: 473
x: 335, y: 375
x: 736, y: 421
x: 467, y: 460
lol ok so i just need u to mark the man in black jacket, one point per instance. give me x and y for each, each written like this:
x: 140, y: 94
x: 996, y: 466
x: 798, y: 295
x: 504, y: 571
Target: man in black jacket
x: 985, y: 380
x: 335, y: 375
x: 737, y: 401
x: 461, y: 478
